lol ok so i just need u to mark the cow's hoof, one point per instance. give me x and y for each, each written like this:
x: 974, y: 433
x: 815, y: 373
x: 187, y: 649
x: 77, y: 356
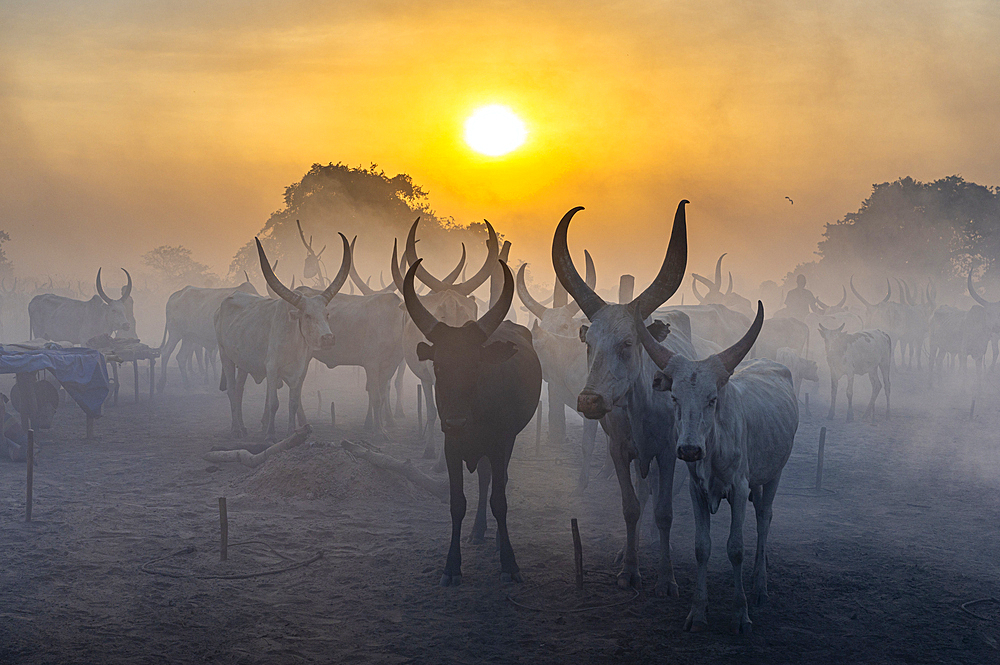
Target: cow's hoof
x: 511, y: 578
x: 629, y: 580
x: 451, y: 580
x: 666, y: 590
x: 741, y: 626
x: 759, y: 598
x: 695, y: 625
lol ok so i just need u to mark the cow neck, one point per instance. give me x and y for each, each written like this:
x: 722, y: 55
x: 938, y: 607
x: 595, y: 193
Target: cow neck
x: 725, y: 461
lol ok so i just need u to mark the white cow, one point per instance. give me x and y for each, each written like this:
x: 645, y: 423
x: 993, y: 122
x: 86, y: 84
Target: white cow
x: 735, y: 431
x: 865, y: 352
x: 801, y: 368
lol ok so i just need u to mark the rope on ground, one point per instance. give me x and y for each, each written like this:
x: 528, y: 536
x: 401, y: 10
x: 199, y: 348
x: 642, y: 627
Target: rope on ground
x: 574, y: 610
x: 191, y: 549
x: 965, y: 607
x: 808, y: 492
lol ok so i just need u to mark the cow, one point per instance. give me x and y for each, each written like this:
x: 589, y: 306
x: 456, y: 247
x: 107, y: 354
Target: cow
x: 782, y: 332
x: 885, y: 315
x: 715, y: 323
x: 273, y: 339
x: 618, y: 390
x: 992, y: 310
x: 916, y: 319
x: 735, y: 430
x: 488, y: 381
x: 961, y: 334
x: 190, y: 320
x: 715, y: 296
x: 63, y: 319
x: 453, y: 304
x: 801, y: 368
x: 866, y: 352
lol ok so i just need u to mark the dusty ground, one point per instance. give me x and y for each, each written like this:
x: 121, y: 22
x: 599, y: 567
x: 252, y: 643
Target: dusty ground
x: 875, y: 573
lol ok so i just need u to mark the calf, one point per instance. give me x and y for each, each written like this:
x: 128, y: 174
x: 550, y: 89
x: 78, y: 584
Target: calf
x: 865, y: 352
x: 800, y: 368
x: 487, y: 382
x: 735, y: 431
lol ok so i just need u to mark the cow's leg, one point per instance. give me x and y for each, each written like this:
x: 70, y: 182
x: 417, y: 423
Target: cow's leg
x: 429, y: 452
x: 198, y: 352
x: 509, y: 572
x: 666, y: 584
x: 184, y: 361
x: 241, y: 384
x: 587, y: 446
x: 886, y: 368
x: 295, y: 406
x: 485, y: 472
x: 168, y: 349
x: 271, y: 408
x: 740, y: 624
x: 833, y: 396
x: 400, y: 372
x: 374, y: 387
x: 696, y: 620
x: 850, y: 397
x: 995, y: 343
x: 629, y: 575
x: 453, y: 567
x: 876, y: 389
x: 229, y: 372
x: 763, y: 500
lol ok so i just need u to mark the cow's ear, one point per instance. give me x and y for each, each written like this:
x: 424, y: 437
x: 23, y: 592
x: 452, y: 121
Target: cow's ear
x: 583, y: 333
x: 425, y: 351
x: 662, y: 381
x: 659, y: 330
x: 497, y: 352
x: 295, y: 314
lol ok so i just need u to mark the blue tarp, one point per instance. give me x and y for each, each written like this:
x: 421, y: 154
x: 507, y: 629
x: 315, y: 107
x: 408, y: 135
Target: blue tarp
x: 82, y: 372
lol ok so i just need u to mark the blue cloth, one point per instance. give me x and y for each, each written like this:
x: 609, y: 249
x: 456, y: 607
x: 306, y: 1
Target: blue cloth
x: 82, y: 372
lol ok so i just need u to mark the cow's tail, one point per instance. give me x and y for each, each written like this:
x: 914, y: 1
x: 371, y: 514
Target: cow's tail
x: 164, y: 340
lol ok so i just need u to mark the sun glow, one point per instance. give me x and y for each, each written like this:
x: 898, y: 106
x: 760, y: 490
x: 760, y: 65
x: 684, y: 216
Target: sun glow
x: 494, y: 130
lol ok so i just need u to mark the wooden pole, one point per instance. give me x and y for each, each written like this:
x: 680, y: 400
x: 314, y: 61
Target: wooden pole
x: 577, y: 553
x: 152, y: 375
x: 224, y: 524
x: 135, y: 370
x: 333, y: 415
x: 319, y: 404
x: 972, y: 409
x: 807, y: 404
x: 420, y: 408
x: 819, y: 458
x: 31, y: 475
x: 626, y: 288
x: 538, y: 430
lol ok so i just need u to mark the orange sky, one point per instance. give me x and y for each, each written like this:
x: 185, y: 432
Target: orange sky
x: 126, y: 125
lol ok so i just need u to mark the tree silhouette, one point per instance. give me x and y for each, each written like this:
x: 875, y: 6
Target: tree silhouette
x: 176, y: 267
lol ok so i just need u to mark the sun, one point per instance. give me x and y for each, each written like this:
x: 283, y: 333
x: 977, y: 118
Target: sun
x: 494, y: 130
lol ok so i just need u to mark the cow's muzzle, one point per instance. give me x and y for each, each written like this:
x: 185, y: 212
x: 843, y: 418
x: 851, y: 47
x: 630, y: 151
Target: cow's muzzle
x: 690, y: 453
x: 326, y: 342
x: 592, y: 406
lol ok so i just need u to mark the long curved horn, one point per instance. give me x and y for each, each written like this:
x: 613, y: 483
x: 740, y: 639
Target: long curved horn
x: 424, y: 320
x: 858, y: 295
x: 293, y: 298
x: 128, y: 287
x: 718, y: 273
x: 566, y: 273
x: 246, y: 276
x: 494, y: 316
x: 671, y: 272
x: 467, y: 287
x: 345, y: 270
x: 100, y: 289
x: 453, y: 275
x: 975, y: 296
x: 906, y: 292
x: 732, y: 356
x: 308, y: 245
x: 535, y: 307
x: 888, y: 291
x: 590, y: 272
x: 659, y: 354
x: 704, y: 280
x: 730, y: 288
x: 694, y: 287
x: 355, y: 277
x: 395, y: 268
x: 843, y: 301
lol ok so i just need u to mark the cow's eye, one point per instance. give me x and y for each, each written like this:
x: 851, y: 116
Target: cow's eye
x: 711, y: 401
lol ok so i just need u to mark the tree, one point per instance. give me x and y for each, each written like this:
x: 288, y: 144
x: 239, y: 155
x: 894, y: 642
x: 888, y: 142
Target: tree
x: 909, y: 228
x: 353, y: 201
x: 177, y: 268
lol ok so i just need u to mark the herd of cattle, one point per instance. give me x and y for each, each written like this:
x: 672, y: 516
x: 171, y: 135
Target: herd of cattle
x: 714, y: 385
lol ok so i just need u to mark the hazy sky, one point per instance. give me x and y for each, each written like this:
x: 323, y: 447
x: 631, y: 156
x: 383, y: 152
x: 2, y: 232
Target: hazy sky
x: 129, y: 124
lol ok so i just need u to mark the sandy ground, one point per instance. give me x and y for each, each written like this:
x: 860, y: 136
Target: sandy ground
x: 874, y: 573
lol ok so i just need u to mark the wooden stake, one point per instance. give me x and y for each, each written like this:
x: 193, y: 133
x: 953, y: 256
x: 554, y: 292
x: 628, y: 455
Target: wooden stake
x: 152, y: 376
x: 538, y: 430
x: 135, y: 371
x: 319, y: 404
x: 819, y: 458
x: 972, y: 409
x: 333, y: 415
x: 577, y: 553
x: 420, y: 408
x: 807, y: 404
x: 31, y: 475
x: 224, y: 525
